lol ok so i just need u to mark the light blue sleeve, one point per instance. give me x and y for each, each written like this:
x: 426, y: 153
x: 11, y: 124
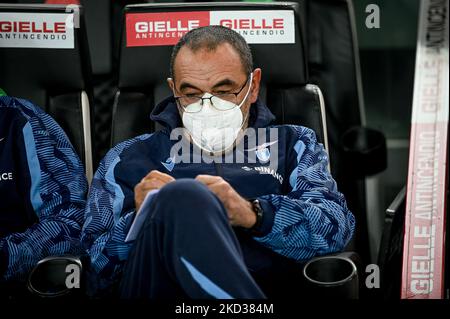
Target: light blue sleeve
x: 313, y: 219
x: 106, y: 222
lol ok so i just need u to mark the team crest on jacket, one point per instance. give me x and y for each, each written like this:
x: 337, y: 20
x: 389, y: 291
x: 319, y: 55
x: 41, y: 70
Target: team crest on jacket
x: 262, y: 151
x: 263, y: 155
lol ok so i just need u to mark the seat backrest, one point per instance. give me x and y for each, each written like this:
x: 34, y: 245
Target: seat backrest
x: 273, y: 30
x: 44, y: 58
x: 333, y: 61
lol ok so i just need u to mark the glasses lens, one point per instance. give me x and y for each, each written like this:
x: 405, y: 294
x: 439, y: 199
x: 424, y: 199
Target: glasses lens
x: 224, y: 102
x: 191, y: 104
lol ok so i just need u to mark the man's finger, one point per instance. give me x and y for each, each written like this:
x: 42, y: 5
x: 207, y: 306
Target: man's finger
x: 220, y: 189
x: 159, y: 175
x: 150, y: 184
x: 162, y: 176
x: 216, y: 188
x: 208, y: 179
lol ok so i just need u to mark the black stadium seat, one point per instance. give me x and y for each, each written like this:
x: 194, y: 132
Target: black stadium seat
x: 330, y: 49
x: 333, y: 60
x: 50, y: 67
x: 143, y: 71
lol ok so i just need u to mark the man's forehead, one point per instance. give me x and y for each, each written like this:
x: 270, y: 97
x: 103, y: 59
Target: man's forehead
x: 209, y: 50
x: 220, y: 59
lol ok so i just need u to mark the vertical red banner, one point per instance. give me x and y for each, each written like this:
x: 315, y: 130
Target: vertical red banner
x: 425, y: 219
x: 424, y: 255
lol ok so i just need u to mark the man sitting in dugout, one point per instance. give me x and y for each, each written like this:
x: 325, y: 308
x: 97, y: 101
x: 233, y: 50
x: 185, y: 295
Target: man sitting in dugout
x: 214, y: 228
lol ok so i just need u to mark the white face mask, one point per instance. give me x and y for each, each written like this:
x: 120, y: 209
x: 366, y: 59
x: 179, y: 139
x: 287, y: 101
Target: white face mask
x: 211, y: 129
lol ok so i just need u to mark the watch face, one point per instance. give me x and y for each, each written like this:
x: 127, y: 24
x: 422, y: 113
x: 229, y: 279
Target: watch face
x: 259, y: 214
x: 257, y: 205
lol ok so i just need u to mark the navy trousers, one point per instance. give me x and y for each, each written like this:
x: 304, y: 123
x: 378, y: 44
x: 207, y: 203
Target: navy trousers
x: 187, y: 248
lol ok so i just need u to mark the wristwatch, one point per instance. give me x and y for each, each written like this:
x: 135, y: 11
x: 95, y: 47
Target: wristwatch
x: 256, y: 205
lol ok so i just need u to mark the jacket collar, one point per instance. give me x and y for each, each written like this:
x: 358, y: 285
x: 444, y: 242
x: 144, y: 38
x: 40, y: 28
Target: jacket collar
x: 166, y: 114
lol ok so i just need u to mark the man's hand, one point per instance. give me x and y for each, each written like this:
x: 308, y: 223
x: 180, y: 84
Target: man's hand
x: 240, y: 212
x: 154, y: 180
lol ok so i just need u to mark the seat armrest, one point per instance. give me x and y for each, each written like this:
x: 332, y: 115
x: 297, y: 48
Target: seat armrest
x: 57, y: 276
x: 334, y: 276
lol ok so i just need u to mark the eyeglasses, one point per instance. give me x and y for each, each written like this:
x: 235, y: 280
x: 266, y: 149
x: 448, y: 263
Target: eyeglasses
x: 214, y: 99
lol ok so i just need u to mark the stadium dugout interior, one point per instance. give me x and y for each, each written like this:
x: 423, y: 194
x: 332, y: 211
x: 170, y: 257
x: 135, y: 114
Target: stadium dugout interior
x: 293, y: 76
x: 290, y: 77
x: 143, y: 71
x: 332, y: 59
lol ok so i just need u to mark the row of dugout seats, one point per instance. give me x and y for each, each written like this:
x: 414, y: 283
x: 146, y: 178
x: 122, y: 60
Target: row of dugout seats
x: 62, y: 82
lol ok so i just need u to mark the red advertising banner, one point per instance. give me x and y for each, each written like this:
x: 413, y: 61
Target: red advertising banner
x: 145, y: 29
x: 67, y: 2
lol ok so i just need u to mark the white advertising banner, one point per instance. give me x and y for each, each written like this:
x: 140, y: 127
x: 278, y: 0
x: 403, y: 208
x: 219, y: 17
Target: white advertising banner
x: 258, y: 27
x: 36, y: 30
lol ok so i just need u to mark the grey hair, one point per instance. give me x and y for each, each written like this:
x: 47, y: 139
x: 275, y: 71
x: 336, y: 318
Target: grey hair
x: 210, y: 37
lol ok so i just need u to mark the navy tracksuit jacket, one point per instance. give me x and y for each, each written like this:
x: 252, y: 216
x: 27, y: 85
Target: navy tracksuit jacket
x: 304, y: 214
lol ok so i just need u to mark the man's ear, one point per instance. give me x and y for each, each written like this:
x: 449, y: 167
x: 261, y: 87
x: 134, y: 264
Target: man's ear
x: 171, y: 84
x: 254, y: 92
